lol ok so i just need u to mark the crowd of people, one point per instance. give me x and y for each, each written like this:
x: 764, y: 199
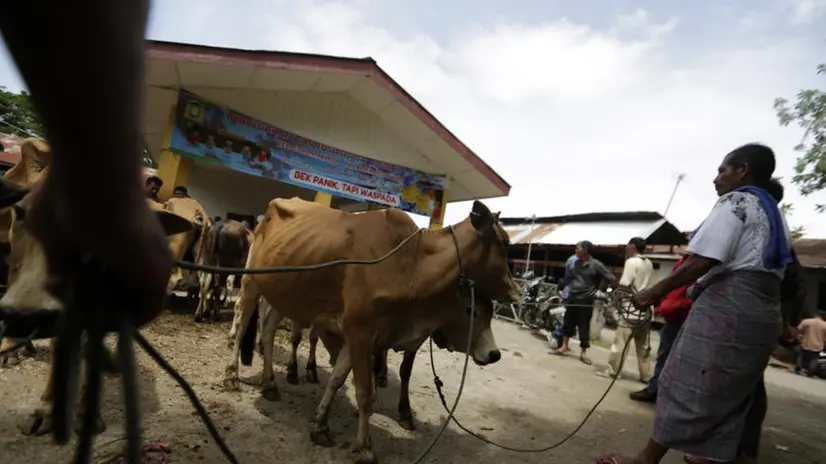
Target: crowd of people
x: 735, y: 294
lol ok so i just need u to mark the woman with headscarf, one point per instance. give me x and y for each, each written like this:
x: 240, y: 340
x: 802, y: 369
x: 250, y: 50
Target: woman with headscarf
x: 715, y: 370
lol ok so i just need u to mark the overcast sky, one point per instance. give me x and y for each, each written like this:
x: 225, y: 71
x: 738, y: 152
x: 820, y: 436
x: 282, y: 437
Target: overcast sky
x: 581, y: 106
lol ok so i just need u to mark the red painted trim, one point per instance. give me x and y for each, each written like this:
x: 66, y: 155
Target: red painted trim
x: 310, y: 62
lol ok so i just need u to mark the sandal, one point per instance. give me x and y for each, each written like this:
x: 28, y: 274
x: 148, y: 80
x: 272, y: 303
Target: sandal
x: 585, y: 360
x: 691, y: 459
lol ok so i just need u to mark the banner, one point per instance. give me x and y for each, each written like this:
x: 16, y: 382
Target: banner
x: 207, y: 132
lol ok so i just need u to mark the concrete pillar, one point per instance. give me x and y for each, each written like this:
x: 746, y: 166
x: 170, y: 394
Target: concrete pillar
x: 324, y: 198
x: 438, y: 218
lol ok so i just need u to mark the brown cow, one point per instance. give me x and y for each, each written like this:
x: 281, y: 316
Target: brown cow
x: 35, y: 158
x: 27, y: 290
x: 226, y: 245
x: 394, y: 304
x: 456, y: 327
x: 179, y: 244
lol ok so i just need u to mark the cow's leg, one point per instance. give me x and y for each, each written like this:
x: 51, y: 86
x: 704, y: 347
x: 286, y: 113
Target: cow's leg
x: 406, y: 369
x: 217, y: 301
x: 295, y: 340
x: 361, y: 356
x: 380, y: 369
x: 236, y: 318
x: 247, y: 304
x: 320, y: 435
x: 269, y: 390
x: 12, y: 358
x: 264, y: 311
x: 39, y: 422
x: 312, y: 367
x: 206, y: 283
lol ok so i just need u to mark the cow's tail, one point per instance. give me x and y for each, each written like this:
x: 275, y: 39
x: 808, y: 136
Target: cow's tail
x: 248, y: 341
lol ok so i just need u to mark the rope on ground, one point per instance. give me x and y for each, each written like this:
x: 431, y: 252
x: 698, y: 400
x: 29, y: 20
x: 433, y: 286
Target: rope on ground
x: 626, y: 310
x: 62, y: 405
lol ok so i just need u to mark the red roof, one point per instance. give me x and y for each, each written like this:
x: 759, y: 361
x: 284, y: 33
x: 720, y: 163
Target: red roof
x: 10, y: 152
x: 311, y: 62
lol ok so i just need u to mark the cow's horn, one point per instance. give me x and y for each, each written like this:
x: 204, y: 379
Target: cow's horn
x: 172, y: 223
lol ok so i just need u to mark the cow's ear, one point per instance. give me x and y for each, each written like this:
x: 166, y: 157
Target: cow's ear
x: 10, y: 193
x: 481, y: 217
x: 172, y: 223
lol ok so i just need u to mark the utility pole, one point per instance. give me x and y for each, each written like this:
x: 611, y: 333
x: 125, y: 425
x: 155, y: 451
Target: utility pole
x: 680, y: 178
x: 530, y: 242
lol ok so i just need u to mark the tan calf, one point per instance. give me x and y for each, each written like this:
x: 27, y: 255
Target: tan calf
x: 27, y: 290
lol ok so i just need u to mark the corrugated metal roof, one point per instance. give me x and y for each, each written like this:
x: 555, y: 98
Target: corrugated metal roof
x: 610, y: 233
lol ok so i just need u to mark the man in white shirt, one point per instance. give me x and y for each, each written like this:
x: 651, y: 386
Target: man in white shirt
x: 636, y: 276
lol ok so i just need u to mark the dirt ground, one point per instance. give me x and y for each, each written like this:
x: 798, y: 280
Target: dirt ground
x: 528, y: 400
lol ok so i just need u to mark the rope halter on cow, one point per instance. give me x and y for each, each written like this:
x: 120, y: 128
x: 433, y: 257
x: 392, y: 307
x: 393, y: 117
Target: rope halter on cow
x: 90, y: 309
x: 92, y: 292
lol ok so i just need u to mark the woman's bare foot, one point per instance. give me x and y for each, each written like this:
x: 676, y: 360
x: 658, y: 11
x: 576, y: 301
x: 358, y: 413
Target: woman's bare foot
x: 609, y: 458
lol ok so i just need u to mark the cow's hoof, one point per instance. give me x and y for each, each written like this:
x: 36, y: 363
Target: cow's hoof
x: 381, y: 382
x: 231, y: 385
x: 29, y: 350
x: 407, y: 424
x: 321, y: 437
x: 292, y: 374
x: 97, y: 428
x: 110, y: 363
x: 10, y: 360
x: 199, y: 319
x: 366, y: 456
x: 271, y: 394
x: 312, y: 376
x: 292, y: 378
x: 37, y: 423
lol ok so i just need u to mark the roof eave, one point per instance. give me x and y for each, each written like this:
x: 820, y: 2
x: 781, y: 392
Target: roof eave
x: 164, y: 50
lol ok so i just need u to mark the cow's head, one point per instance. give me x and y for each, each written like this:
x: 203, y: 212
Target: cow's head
x: 453, y: 334
x: 27, y: 259
x: 486, y: 255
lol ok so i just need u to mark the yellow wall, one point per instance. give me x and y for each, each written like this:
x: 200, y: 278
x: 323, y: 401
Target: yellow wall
x: 172, y: 169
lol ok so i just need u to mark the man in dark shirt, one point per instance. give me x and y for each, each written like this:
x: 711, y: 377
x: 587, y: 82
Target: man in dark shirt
x: 180, y: 192
x: 584, y: 279
x: 152, y: 186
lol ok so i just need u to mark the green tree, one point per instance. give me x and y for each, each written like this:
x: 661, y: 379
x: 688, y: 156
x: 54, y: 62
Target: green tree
x: 17, y: 114
x: 808, y: 112
x: 787, y: 209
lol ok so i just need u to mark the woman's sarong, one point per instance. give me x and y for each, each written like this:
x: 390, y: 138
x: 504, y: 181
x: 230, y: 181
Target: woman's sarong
x: 708, y: 382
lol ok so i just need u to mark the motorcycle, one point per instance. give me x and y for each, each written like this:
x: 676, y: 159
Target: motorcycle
x: 555, y: 316
x: 529, y: 307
